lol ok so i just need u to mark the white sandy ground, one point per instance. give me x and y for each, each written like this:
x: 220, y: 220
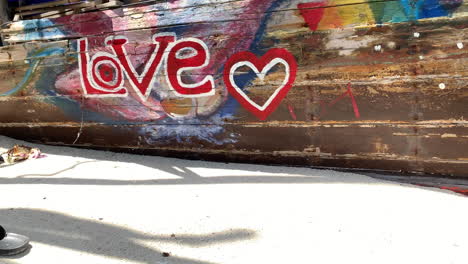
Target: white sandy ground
x: 83, y: 206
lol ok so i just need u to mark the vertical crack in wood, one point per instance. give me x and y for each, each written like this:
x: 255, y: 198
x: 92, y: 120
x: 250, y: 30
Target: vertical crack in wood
x: 81, y: 124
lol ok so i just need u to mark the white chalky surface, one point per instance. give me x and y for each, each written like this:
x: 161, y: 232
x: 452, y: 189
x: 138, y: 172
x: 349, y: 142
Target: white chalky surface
x: 82, y: 206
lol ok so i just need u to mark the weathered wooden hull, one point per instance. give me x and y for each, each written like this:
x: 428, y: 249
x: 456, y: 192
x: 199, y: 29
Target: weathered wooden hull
x: 354, y: 84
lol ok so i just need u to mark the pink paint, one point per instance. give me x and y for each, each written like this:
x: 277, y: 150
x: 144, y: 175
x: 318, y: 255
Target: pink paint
x: 460, y: 190
x: 349, y: 93
x: 291, y: 112
x: 260, y: 66
x: 353, y: 101
x: 239, y: 34
x: 128, y: 108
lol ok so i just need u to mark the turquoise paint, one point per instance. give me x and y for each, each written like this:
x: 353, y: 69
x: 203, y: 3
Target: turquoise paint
x: 412, y: 8
x: 35, y: 59
x: 394, y: 13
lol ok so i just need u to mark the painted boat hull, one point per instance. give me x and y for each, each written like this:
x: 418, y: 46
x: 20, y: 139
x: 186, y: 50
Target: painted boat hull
x: 361, y: 84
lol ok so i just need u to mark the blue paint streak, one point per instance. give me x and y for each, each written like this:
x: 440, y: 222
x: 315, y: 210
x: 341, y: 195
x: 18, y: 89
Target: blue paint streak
x: 411, y: 8
x: 255, y: 46
x: 48, y: 31
x: 232, y: 104
x: 243, y: 80
x: 35, y: 23
x: 177, y: 130
x: 35, y: 61
x: 420, y: 9
x: 432, y: 8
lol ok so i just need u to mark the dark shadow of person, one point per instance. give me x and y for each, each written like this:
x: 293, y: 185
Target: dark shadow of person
x: 104, y: 239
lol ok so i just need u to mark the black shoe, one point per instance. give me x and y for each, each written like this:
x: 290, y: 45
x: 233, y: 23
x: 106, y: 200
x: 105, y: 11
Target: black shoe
x: 12, y: 244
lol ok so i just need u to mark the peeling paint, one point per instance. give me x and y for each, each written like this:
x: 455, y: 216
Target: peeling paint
x: 376, y: 85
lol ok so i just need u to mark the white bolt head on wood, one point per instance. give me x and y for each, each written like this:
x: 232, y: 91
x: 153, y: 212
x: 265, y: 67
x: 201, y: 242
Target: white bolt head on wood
x: 442, y: 86
x: 416, y: 34
x: 391, y: 45
x: 460, y: 45
x: 377, y: 47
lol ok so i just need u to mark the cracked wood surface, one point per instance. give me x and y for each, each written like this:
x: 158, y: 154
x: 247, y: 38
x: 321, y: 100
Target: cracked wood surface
x: 404, y: 110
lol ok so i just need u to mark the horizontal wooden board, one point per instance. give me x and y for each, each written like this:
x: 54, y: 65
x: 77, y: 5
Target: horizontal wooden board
x: 381, y: 148
x: 357, y: 84
x: 345, y: 14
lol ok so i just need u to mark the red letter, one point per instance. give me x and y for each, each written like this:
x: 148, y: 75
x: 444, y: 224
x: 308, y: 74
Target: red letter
x: 100, y: 76
x: 198, y: 57
x: 142, y: 83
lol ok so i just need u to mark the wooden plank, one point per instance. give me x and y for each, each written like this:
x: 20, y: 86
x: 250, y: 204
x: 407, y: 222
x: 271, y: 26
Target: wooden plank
x: 308, y: 103
x: 4, y: 16
x: 398, y: 48
x: 93, y: 134
x: 16, y: 17
x: 45, y: 5
x: 97, y: 25
x: 159, y: 7
x: 207, y: 7
x: 57, y: 8
x: 109, y: 4
x: 19, y: 54
x: 54, y: 14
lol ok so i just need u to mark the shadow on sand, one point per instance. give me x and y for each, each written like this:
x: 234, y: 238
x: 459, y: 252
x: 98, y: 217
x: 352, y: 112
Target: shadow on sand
x: 99, y: 238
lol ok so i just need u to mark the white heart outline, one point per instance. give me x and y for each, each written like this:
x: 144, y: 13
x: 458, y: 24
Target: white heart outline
x: 260, y: 75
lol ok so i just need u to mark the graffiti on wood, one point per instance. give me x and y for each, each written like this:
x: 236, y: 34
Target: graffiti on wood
x: 349, y: 93
x: 218, y: 75
x: 102, y: 75
x: 261, y: 66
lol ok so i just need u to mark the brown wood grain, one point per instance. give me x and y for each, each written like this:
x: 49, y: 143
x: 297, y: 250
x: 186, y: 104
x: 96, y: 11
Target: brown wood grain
x: 409, y: 82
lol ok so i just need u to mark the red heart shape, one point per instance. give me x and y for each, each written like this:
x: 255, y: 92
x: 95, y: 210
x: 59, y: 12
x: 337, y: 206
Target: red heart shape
x: 265, y: 63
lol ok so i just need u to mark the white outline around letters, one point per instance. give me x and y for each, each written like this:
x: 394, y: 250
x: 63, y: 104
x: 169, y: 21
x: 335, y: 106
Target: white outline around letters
x: 145, y: 96
x: 208, y: 78
x: 90, y: 75
x: 164, y: 59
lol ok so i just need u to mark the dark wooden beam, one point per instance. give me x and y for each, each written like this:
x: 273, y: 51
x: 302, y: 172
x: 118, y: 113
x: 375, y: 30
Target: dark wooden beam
x: 4, y: 11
